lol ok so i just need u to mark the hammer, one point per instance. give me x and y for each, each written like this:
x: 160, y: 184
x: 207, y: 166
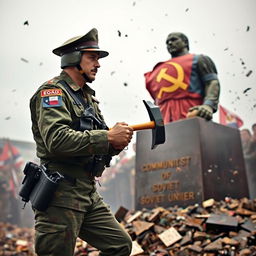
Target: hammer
x: 156, y: 124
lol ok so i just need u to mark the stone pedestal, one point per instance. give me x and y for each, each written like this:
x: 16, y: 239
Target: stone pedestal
x: 199, y: 160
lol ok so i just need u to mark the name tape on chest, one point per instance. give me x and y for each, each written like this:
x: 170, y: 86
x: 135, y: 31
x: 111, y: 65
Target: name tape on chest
x: 51, y: 98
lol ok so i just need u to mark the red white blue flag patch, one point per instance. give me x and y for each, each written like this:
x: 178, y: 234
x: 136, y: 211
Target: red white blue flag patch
x: 51, y: 98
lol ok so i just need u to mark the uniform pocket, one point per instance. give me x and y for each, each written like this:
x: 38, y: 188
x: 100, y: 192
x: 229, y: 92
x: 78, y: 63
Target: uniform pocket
x: 50, y: 238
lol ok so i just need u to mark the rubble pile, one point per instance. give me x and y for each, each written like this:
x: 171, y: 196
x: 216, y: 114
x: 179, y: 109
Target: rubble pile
x: 226, y: 227
x: 212, y: 228
x: 16, y: 241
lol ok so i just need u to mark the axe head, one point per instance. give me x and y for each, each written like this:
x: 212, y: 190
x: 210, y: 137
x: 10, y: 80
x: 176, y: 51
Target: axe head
x: 158, y: 133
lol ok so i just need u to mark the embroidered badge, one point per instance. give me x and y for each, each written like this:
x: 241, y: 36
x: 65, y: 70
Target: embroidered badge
x: 51, y: 98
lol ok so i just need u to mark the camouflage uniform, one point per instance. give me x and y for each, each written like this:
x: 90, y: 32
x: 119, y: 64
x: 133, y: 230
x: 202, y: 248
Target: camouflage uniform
x: 76, y: 210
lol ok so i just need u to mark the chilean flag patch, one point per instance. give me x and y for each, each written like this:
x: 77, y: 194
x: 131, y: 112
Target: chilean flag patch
x: 51, y: 98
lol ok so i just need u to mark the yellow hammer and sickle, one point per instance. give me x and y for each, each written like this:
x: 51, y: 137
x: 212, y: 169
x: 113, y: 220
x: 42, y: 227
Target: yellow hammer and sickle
x: 176, y: 82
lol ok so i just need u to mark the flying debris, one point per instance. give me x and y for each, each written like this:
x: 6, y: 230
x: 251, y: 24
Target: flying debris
x: 134, y: 3
x: 242, y: 62
x: 249, y: 73
x: 112, y: 73
x: 24, y: 60
x: 187, y: 10
x: 26, y: 23
x: 246, y: 90
x: 226, y: 49
x: 8, y: 118
x: 125, y: 84
x: 120, y: 34
x: 41, y: 64
x: 248, y: 28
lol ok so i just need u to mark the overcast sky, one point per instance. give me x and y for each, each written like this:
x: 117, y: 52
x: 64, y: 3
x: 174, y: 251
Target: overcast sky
x: 134, y: 32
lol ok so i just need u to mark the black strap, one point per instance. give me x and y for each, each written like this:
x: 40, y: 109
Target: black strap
x: 77, y: 97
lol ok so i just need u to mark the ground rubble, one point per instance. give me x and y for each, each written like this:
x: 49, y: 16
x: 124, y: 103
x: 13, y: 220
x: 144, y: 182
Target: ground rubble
x: 213, y: 228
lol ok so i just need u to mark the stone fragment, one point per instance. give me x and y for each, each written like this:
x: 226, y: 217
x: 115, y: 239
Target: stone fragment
x: 244, y: 212
x: 249, y: 226
x: 214, y: 246
x: 136, y: 248
x: 199, y: 236
x: 195, y: 248
x: 134, y: 216
x: 208, y: 203
x: 229, y: 241
x: 222, y: 223
x: 141, y: 226
x: 245, y: 252
x: 120, y: 213
x: 170, y: 236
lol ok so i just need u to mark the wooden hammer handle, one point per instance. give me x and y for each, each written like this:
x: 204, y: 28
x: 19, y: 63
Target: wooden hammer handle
x: 149, y: 125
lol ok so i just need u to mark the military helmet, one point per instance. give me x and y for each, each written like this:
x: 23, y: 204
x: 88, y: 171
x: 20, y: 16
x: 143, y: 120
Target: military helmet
x: 71, y: 51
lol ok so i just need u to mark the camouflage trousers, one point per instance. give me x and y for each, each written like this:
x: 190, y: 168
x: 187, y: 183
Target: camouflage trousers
x: 58, y: 227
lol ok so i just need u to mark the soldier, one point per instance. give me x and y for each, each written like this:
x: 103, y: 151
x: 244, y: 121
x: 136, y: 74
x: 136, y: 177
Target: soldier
x: 73, y: 139
x: 185, y: 85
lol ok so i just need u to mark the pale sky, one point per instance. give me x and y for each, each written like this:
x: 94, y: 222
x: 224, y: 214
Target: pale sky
x: 225, y: 30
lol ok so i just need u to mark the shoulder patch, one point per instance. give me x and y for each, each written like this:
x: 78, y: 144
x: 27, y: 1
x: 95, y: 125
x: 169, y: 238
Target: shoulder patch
x: 51, y: 98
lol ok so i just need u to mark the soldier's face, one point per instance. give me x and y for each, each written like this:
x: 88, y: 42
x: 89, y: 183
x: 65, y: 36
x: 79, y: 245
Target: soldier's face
x: 175, y: 44
x: 90, y: 64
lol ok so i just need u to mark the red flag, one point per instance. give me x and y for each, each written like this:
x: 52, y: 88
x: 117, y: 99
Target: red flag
x: 17, y: 159
x: 10, y: 157
x: 229, y: 118
x: 5, y: 156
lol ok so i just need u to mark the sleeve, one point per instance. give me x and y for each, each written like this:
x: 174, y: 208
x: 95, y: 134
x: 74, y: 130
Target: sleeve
x: 54, y: 124
x: 208, y: 74
x: 112, y: 151
x: 207, y: 69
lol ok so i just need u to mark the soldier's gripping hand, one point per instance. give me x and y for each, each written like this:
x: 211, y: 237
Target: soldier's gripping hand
x: 204, y: 111
x: 120, y: 135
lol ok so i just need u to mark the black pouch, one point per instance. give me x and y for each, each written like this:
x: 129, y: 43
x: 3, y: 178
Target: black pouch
x: 43, y: 191
x: 32, y: 174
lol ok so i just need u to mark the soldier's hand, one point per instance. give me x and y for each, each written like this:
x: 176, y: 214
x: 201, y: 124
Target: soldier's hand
x: 120, y: 135
x: 204, y: 111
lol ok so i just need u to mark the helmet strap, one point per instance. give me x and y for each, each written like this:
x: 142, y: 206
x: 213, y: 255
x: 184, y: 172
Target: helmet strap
x: 86, y: 78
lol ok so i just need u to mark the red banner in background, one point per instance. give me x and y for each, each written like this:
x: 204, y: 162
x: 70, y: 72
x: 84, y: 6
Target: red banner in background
x: 10, y: 156
x: 229, y: 118
x: 10, y: 163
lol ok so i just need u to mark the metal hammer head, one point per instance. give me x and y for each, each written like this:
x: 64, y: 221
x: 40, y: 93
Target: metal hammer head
x: 158, y: 133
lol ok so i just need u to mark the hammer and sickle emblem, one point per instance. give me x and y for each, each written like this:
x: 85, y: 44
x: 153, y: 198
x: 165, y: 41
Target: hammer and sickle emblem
x: 176, y: 82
